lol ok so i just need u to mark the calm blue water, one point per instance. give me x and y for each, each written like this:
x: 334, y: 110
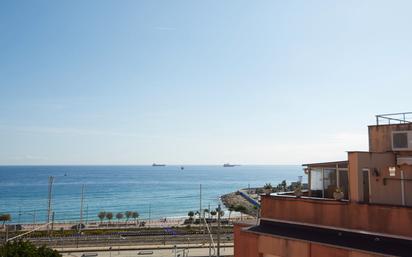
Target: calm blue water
x: 167, y: 191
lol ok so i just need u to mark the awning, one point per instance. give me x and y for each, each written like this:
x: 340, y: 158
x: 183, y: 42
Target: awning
x: 339, y: 164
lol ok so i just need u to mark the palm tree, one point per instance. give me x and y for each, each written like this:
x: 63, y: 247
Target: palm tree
x: 5, y: 217
x: 268, y: 188
x: 119, y: 216
x: 101, y: 216
x: 135, y: 215
x: 109, y: 216
x: 222, y: 213
x: 128, y: 215
x: 284, y: 185
x: 198, y: 214
x: 191, y: 214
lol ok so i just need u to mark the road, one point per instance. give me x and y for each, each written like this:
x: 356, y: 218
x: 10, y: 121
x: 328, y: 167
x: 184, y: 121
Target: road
x: 154, y: 253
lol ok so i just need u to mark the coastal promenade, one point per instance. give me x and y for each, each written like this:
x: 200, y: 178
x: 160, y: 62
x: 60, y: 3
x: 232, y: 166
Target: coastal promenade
x: 156, y: 223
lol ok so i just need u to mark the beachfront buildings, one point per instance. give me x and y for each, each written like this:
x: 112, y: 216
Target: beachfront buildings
x: 373, y: 218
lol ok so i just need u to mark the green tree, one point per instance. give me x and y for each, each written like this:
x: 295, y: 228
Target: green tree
x: 109, y: 216
x: 5, y: 217
x: 191, y: 214
x: 25, y: 249
x: 284, y: 185
x: 128, y: 215
x: 135, y: 215
x: 231, y: 208
x: 242, y: 209
x: 101, y: 216
x: 119, y: 216
x: 222, y: 213
x: 198, y: 214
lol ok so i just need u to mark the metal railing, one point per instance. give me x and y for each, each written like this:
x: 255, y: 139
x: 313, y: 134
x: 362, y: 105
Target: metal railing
x: 395, y: 118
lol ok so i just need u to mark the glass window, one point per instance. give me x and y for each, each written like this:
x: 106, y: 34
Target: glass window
x: 329, y: 182
x: 316, y: 183
x: 344, y: 182
x: 316, y: 179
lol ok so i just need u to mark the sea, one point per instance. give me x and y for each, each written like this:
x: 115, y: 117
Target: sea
x: 154, y: 192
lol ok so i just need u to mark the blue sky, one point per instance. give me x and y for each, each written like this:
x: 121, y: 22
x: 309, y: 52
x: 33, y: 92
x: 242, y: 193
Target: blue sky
x: 198, y: 82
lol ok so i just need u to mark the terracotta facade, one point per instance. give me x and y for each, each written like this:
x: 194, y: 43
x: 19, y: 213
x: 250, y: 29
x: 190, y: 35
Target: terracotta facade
x: 379, y: 207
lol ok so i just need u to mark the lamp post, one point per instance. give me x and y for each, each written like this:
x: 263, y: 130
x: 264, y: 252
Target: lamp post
x: 218, y: 230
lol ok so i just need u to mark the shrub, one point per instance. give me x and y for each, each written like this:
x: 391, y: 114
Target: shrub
x: 26, y: 249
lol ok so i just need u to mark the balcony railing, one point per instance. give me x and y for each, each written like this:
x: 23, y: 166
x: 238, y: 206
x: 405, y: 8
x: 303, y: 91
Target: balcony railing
x: 395, y: 118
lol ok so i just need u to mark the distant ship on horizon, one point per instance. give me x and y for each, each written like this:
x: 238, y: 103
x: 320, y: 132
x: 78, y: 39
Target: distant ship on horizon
x: 230, y: 165
x: 158, y: 165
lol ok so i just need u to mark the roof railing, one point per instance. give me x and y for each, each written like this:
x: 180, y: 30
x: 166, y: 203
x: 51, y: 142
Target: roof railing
x: 395, y: 118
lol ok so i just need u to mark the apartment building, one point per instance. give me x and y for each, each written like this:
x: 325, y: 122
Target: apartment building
x: 359, y: 207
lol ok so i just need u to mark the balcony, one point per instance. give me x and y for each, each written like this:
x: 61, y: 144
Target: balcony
x: 384, y: 219
x: 325, y: 178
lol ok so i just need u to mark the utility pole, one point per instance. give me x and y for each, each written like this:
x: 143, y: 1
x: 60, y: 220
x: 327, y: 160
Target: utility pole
x: 18, y: 221
x: 34, y: 218
x: 81, y: 209
x: 150, y: 212
x: 87, y: 214
x: 200, y: 208
x: 49, y: 205
x: 6, y: 238
x: 52, y: 226
x: 218, y: 230
x: 200, y: 201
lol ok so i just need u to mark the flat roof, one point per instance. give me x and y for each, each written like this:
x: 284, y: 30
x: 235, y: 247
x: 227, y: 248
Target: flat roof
x: 361, y: 241
x: 340, y: 164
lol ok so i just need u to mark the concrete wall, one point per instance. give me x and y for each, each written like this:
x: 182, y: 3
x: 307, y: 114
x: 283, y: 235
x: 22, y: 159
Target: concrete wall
x: 407, y: 169
x: 369, y: 217
x: 246, y: 244
x: 380, y: 136
x: 379, y: 192
x: 388, y: 192
x: 268, y: 245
